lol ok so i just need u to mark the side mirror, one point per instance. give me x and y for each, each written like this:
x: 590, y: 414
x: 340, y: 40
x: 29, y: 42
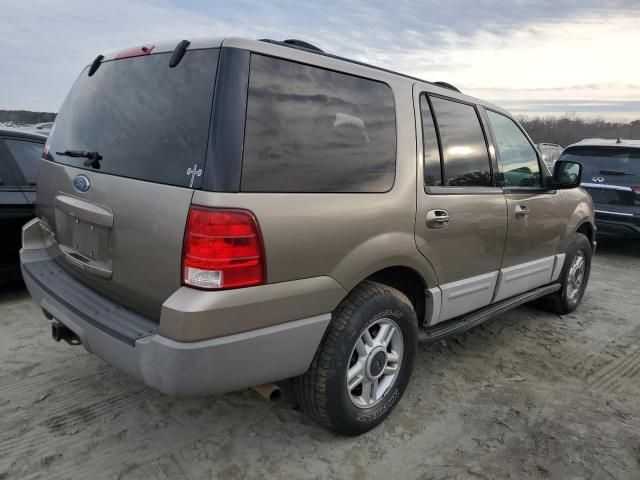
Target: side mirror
x: 567, y: 174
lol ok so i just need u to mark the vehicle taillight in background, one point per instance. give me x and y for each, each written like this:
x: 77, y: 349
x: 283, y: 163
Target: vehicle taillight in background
x: 636, y: 190
x: 222, y: 249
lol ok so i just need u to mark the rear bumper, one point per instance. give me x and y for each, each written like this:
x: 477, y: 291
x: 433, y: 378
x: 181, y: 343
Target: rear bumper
x: 133, y: 344
x: 618, y: 224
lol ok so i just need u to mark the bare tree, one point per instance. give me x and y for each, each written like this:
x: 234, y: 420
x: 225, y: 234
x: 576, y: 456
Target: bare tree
x: 570, y: 128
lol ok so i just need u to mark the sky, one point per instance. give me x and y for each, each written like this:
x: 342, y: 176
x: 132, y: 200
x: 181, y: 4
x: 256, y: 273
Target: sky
x: 530, y: 57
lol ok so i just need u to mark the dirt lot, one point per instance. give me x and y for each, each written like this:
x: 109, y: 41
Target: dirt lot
x: 528, y: 395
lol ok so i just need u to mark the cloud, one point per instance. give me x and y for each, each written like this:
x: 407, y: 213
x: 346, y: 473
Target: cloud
x: 496, y: 49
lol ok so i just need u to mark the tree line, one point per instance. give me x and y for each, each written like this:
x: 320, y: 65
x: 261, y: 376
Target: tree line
x: 569, y: 129
x: 25, y: 117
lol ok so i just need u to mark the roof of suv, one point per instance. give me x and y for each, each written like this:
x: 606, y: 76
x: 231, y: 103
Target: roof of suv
x: 306, y: 55
x: 606, y: 142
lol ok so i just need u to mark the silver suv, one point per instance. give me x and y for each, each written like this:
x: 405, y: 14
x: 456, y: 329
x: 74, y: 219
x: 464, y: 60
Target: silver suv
x: 220, y: 214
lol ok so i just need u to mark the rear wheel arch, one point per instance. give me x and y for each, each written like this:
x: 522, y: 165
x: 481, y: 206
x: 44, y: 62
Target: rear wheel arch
x: 406, y: 280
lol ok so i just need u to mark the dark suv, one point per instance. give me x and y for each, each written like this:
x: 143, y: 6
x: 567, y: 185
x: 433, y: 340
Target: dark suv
x: 611, y: 174
x: 19, y: 159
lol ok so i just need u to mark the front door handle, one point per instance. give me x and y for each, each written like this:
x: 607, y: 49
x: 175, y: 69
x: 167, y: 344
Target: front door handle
x: 437, y: 218
x: 522, y: 211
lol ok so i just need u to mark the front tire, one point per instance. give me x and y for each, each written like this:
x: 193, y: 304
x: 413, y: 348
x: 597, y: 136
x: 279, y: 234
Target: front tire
x: 574, y: 277
x: 364, y: 363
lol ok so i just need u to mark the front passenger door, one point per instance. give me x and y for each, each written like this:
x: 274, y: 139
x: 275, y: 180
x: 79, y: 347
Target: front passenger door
x: 534, y: 213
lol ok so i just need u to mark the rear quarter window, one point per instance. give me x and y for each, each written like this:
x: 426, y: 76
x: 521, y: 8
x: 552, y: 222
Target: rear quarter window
x: 314, y: 130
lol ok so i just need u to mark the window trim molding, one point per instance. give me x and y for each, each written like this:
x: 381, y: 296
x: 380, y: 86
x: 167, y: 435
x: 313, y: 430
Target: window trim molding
x: 455, y: 190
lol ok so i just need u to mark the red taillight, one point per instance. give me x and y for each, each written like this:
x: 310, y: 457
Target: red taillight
x: 636, y: 190
x: 222, y: 249
x: 135, y: 52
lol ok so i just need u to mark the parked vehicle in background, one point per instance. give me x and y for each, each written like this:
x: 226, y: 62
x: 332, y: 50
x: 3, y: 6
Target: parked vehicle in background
x: 19, y: 159
x: 611, y: 174
x: 205, y: 239
x: 550, y: 153
x: 43, y: 128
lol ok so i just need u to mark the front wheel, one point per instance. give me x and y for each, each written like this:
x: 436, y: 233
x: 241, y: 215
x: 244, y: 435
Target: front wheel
x: 574, y: 277
x: 364, y: 363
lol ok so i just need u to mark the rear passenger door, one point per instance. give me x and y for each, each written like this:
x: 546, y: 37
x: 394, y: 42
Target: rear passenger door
x: 461, y: 219
x: 535, y: 213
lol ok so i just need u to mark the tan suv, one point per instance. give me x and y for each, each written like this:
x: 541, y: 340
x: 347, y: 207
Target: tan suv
x: 220, y: 214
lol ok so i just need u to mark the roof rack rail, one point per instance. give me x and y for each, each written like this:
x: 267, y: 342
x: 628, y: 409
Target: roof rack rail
x: 295, y: 43
x: 302, y: 45
x: 447, y: 85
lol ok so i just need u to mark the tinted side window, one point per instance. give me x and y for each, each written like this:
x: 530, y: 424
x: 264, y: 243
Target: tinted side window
x: 7, y: 179
x: 27, y: 156
x: 432, y: 164
x: 519, y: 161
x: 314, y: 130
x: 466, y: 158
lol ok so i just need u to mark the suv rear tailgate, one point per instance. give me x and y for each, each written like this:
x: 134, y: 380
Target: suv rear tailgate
x: 135, y: 261
x: 119, y: 222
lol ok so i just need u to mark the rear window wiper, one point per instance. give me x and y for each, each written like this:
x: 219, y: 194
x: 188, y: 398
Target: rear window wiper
x: 92, y: 158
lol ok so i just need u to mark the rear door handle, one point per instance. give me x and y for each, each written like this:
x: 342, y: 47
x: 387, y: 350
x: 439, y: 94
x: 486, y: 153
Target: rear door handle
x: 522, y: 211
x: 437, y: 218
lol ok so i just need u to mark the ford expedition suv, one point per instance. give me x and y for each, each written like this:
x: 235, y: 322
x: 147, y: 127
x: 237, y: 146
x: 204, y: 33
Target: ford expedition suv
x: 612, y: 176
x: 219, y: 214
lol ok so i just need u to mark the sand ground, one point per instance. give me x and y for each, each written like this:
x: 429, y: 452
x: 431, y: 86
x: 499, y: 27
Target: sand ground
x: 527, y: 395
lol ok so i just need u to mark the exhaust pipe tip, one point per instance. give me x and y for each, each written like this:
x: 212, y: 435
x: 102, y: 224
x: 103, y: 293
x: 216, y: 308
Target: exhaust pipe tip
x: 269, y: 391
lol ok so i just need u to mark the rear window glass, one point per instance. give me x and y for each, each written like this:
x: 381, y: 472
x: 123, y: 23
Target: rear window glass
x: 314, y: 130
x: 146, y: 120
x: 27, y: 157
x: 605, y: 161
x: 466, y: 158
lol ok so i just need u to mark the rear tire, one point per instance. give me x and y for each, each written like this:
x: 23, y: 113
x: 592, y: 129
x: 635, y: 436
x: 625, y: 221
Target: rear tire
x: 364, y: 362
x: 574, y: 277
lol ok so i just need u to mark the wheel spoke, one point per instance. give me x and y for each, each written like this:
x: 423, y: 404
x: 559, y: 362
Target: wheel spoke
x: 393, y: 357
x: 374, y: 390
x: 354, y: 382
x: 366, y: 336
x: 367, y: 391
x: 389, y: 333
x: 356, y: 370
x: 390, y: 369
x: 361, y: 348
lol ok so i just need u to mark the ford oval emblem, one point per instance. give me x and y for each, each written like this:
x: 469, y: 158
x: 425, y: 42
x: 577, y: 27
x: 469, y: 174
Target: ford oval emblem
x: 81, y: 183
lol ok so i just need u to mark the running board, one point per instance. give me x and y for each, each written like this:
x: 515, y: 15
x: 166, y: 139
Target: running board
x: 470, y: 320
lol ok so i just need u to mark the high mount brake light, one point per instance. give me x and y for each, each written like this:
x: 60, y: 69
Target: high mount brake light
x: 134, y: 52
x: 222, y: 249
